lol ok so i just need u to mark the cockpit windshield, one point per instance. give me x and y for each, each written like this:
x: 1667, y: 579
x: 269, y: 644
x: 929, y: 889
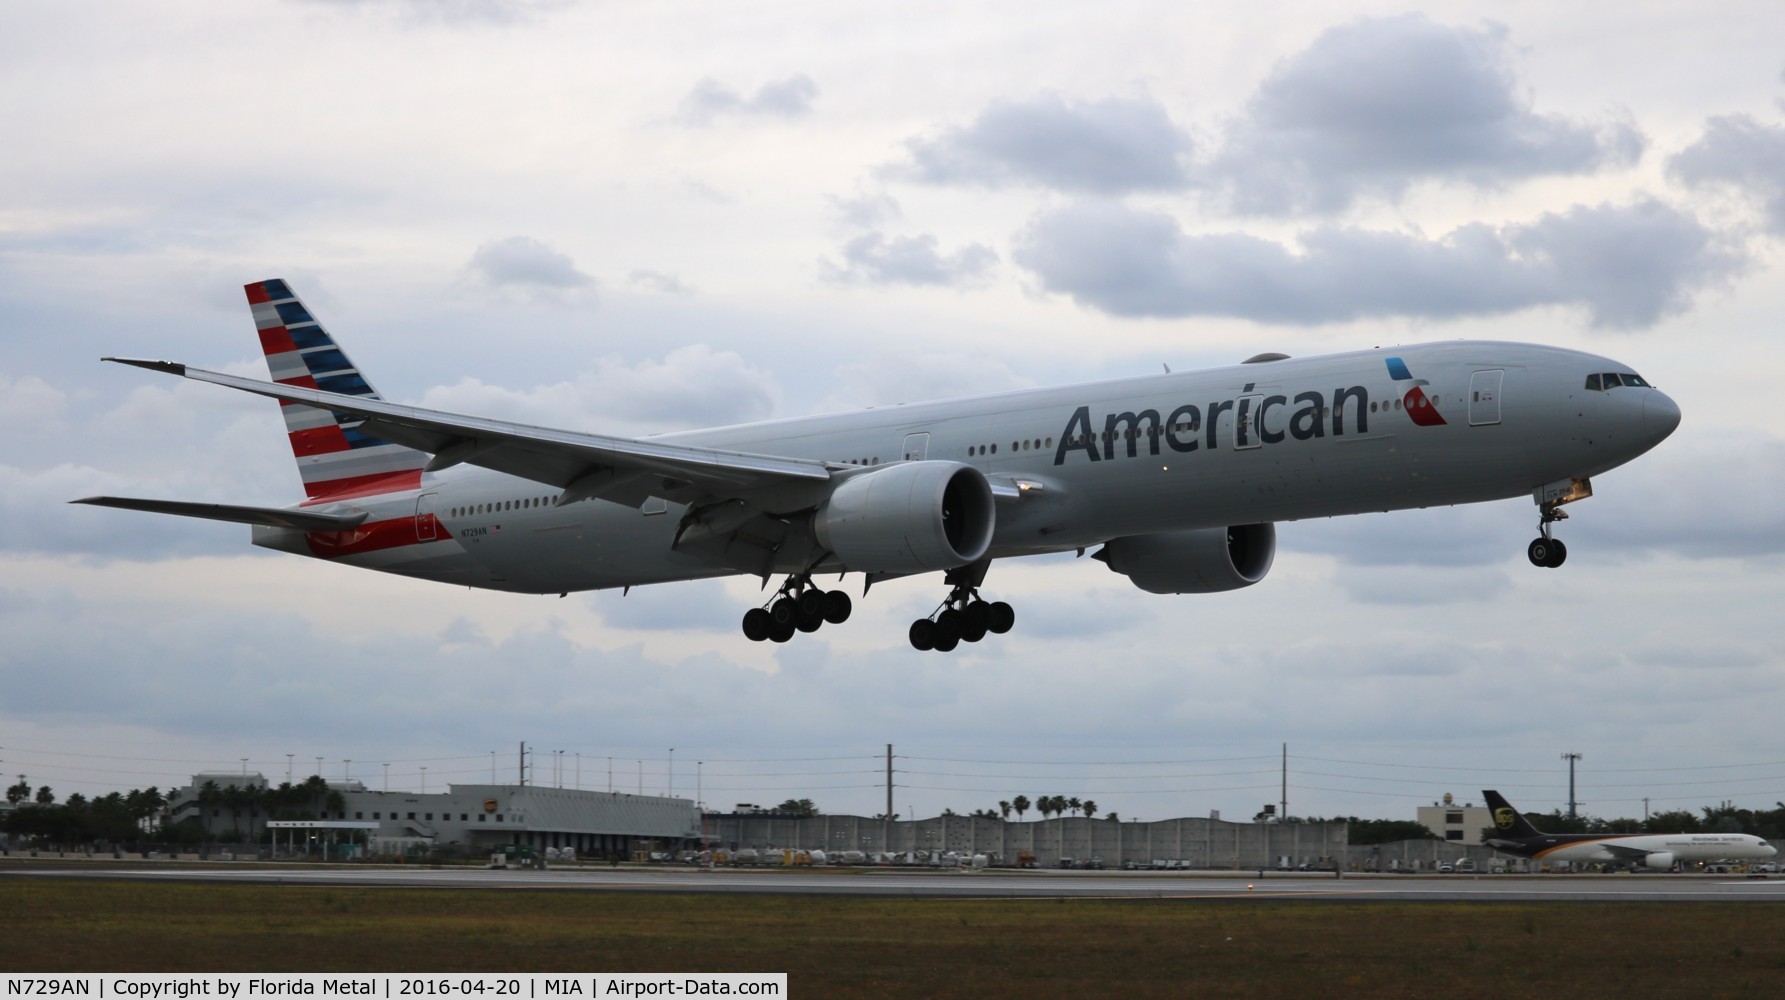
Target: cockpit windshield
x: 1603, y: 381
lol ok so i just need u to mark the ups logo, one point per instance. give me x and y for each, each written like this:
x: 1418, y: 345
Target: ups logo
x: 1503, y: 818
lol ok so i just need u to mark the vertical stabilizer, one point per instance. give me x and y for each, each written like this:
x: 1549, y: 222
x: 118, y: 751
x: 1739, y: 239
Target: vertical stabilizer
x: 1509, y: 822
x: 335, y: 458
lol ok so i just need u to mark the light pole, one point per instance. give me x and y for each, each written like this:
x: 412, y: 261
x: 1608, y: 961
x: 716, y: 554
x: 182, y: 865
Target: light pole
x: 672, y: 772
x: 244, y: 761
x: 319, y: 765
x: 1571, y: 758
x: 346, y: 762
x: 387, y: 776
x: 288, y: 769
x: 424, y: 779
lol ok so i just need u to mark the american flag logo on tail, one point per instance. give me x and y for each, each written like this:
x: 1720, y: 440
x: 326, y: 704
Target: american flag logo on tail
x: 336, y: 459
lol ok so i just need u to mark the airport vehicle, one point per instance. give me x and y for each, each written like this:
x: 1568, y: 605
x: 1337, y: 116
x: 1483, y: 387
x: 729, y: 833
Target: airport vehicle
x: 1515, y: 835
x: 1175, y: 479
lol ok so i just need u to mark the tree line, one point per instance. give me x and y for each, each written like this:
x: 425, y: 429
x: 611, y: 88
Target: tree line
x: 140, y: 813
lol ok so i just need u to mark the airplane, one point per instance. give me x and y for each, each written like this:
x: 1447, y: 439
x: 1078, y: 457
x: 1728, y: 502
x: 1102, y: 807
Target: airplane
x: 1651, y: 850
x: 1177, y: 479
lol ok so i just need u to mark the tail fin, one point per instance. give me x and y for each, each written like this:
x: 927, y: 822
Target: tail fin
x: 1507, y: 820
x: 334, y: 457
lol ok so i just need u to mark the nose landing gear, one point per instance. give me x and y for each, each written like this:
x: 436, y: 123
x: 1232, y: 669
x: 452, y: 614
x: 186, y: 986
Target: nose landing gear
x: 798, y: 606
x: 1544, y: 550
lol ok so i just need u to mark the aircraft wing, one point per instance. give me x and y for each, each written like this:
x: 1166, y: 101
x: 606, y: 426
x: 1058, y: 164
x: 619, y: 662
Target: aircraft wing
x: 625, y: 470
x: 1626, y: 854
x: 275, y: 517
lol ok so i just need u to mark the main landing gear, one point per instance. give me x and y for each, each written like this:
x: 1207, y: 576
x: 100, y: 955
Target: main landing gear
x: 962, y: 617
x: 1544, y: 550
x: 798, y: 607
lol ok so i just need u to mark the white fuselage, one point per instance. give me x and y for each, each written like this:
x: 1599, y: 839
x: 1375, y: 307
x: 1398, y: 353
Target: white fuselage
x: 1246, y: 444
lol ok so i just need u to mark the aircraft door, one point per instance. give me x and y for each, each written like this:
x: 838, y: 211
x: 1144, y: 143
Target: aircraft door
x: 425, y: 522
x: 1245, y: 423
x: 1484, y: 397
x: 917, y: 447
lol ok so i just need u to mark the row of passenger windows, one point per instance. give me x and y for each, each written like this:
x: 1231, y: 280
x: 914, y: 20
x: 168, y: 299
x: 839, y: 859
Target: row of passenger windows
x: 526, y: 503
x: 1601, y: 381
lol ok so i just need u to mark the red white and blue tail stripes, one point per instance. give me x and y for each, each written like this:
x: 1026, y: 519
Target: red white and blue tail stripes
x: 335, y: 458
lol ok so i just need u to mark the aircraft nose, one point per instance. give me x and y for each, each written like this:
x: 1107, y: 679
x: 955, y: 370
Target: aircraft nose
x: 1660, y: 415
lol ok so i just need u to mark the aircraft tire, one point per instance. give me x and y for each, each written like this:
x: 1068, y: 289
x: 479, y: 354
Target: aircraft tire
x: 1003, y: 617
x: 785, y: 611
x: 1538, y: 551
x: 922, y: 635
x: 811, y: 604
x: 837, y: 607
x: 757, y: 624
x: 947, y: 643
x: 978, y: 615
x: 782, y: 633
x: 1558, y: 553
x: 809, y: 622
x: 949, y: 625
x: 972, y: 633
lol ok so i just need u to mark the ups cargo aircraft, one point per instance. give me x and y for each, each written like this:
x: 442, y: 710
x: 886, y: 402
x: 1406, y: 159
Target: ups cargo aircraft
x: 1515, y: 835
x: 1176, y: 479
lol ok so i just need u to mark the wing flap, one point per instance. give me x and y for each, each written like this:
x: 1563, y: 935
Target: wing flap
x: 274, y: 517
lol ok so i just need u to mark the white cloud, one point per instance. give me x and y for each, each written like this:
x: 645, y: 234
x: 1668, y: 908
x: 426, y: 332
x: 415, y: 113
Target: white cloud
x: 877, y: 259
x: 1740, y: 153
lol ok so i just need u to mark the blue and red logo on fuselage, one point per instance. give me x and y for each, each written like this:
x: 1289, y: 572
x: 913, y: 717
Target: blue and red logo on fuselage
x: 1418, y: 407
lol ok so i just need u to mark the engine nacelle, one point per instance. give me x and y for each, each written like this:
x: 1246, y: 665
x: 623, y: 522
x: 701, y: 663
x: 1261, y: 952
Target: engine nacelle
x: 1204, y: 561
x: 1660, y: 861
x: 912, y: 517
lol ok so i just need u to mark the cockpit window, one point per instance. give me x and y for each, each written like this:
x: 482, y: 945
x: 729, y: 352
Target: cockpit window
x: 1605, y: 381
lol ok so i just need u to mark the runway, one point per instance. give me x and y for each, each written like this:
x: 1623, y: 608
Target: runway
x: 964, y: 884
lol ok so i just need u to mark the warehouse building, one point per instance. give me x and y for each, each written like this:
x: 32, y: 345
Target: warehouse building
x: 471, y: 818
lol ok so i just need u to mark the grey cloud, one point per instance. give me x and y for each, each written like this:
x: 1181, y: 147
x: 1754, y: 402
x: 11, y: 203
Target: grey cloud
x: 1109, y: 146
x: 657, y: 281
x: 710, y: 99
x: 524, y: 262
x: 1372, y: 106
x: 1740, y: 153
x: 866, y: 210
x: 1628, y: 266
x: 876, y: 259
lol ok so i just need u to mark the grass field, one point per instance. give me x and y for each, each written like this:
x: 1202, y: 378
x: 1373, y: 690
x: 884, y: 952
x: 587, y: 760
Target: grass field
x: 850, y: 947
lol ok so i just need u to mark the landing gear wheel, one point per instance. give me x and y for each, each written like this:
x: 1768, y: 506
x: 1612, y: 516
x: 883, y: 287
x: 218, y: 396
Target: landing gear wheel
x: 1003, y: 616
x: 810, y: 622
x: 757, y: 624
x: 922, y: 635
x: 1547, y: 552
x: 782, y: 633
x: 950, y: 626
x: 785, y: 612
x: 978, y: 615
x: 947, y: 643
x: 837, y: 607
x: 971, y: 632
x: 811, y: 604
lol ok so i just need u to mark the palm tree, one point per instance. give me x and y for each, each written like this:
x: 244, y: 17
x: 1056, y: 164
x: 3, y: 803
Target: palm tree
x: 1073, y: 803
x: 1089, y: 807
x: 1004, y: 808
x: 1021, y: 805
x: 45, y: 797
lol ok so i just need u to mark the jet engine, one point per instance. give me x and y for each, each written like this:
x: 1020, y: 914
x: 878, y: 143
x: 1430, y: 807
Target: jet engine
x: 1204, y: 561
x: 1660, y: 860
x: 912, y: 517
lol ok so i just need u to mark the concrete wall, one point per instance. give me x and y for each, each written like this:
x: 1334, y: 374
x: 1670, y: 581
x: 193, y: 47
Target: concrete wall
x: 1204, y: 843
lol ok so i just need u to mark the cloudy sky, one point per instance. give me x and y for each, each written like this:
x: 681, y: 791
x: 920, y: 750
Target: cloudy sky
x: 631, y: 218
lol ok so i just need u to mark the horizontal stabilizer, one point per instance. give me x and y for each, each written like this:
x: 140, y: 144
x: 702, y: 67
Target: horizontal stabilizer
x: 274, y: 517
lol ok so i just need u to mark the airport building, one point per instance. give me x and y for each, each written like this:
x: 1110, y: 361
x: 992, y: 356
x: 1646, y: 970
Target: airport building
x: 1457, y: 824
x: 473, y: 818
